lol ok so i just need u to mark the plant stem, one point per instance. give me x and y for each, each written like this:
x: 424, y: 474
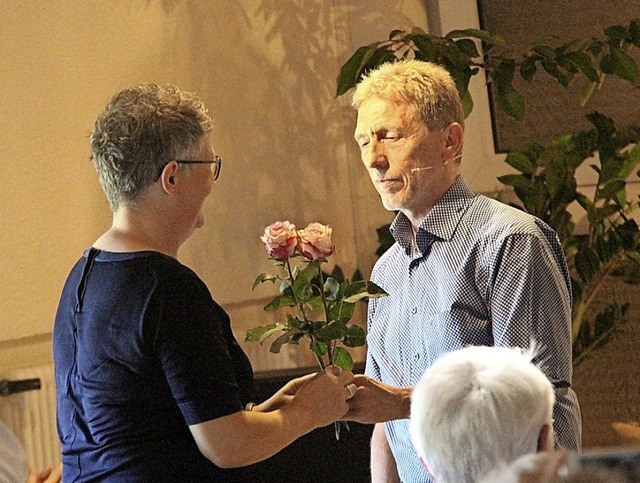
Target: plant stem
x: 330, y: 350
x: 298, y: 303
x: 592, y: 290
x: 303, y: 312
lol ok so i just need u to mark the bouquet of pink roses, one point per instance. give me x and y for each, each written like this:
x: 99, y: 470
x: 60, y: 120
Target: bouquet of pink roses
x: 324, y: 304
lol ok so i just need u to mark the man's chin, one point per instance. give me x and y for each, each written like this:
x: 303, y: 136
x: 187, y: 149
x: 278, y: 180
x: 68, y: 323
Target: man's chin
x: 391, y: 206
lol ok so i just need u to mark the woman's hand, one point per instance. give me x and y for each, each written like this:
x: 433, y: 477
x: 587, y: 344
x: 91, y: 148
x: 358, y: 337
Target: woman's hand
x: 324, y: 396
x: 284, y: 395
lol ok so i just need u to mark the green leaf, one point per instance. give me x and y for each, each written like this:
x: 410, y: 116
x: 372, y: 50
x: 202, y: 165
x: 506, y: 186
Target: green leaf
x: 319, y: 348
x: 353, y: 69
x: 616, y: 34
x: 468, y: 46
x: 334, y: 330
x: 583, y: 61
x: 262, y: 332
x: 467, y: 103
x: 509, y: 99
x: 342, y: 358
x: 358, y: 290
x: 332, y: 287
x: 295, y: 323
x: 303, y: 279
x: 610, y: 189
x: 355, y: 337
x: 338, y: 274
x: 516, y: 180
x: 586, y: 93
x: 279, y: 302
x: 315, y: 303
x: 528, y: 68
x: 520, y: 162
x: 587, y: 264
x: 342, y: 311
x: 551, y: 67
x: 545, y: 51
x: 512, y: 102
x: 483, y: 35
x: 264, y: 277
x: 425, y: 45
x: 279, y: 342
x: 623, y: 65
x: 632, y: 160
x: 634, y: 32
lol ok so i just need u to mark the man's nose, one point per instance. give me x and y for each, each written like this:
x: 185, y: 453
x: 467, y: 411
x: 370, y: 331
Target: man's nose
x: 376, y: 157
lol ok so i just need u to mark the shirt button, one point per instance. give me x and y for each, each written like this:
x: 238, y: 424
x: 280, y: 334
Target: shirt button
x: 414, y: 310
x: 416, y: 357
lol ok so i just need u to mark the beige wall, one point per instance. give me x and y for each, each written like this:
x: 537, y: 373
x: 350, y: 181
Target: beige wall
x: 267, y: 71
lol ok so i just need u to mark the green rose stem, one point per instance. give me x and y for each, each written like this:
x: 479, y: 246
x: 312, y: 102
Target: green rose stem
x: 303, y: 311
x: 330, y: 349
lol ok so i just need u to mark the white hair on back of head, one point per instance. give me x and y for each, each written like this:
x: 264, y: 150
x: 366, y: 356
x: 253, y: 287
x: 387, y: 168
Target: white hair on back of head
x: 478, y: 407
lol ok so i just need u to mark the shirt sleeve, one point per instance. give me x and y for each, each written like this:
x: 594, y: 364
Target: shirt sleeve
x: 193, y: 351
x: 530, y: 302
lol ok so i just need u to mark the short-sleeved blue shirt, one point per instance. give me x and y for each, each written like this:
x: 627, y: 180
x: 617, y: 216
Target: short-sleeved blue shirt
x: 141, y: 351
x: 481, y: 273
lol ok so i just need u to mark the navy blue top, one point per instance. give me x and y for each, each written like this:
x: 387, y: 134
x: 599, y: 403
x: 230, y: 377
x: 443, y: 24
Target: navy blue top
x: 141, y: 351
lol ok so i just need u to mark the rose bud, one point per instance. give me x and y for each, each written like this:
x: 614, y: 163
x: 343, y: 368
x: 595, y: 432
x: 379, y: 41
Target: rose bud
x: 315, y: 241
x: 280, y: 240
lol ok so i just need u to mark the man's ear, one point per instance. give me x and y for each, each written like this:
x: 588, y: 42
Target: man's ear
x: 453, y: 142
x: 167, y: 177
x: 545, y: 438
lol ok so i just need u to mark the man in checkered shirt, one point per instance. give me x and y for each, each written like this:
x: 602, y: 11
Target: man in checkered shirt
x: 465, y: 269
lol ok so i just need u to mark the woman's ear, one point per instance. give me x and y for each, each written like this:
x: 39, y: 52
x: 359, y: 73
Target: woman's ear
x: 167, y: 177
x: 453, y: 142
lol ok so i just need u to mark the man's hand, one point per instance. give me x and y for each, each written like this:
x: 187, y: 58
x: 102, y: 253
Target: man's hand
x: 377, y: 402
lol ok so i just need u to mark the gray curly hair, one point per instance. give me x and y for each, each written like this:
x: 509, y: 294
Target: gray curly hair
x: 140, y: 130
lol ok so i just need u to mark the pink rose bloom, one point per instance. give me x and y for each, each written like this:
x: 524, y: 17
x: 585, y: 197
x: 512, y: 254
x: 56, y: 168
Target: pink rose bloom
x: 315, y: 241
x: 280, y: 240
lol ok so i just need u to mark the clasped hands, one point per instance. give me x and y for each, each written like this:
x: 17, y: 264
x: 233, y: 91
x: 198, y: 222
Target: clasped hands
x: 369, y: 401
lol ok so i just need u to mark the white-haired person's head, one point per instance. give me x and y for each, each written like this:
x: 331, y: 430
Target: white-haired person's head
x: 477, y: 408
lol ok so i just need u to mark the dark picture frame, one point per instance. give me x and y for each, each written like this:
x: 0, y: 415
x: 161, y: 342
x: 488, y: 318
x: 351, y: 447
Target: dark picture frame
x: 552, y: 110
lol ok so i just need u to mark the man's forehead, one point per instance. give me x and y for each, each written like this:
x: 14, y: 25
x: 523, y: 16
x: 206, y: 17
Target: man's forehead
x: 383, y: 113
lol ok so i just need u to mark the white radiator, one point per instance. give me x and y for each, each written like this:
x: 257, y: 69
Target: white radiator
x: 31, y: 416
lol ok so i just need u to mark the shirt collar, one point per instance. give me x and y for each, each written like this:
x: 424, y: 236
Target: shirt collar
x: 440, y: 223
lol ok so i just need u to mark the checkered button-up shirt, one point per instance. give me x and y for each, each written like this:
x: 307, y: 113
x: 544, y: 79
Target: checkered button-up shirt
x: 479, y: 273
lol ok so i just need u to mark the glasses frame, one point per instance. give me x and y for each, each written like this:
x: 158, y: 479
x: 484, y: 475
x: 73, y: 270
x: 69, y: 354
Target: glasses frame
x: 217, y: 161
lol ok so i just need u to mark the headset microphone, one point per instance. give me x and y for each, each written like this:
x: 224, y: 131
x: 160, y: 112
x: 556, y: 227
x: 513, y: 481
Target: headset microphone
x: 425, y: 168
x: 415, y: 170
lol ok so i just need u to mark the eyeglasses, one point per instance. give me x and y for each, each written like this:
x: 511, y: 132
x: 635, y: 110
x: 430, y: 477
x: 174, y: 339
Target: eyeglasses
x: 217, y: 164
